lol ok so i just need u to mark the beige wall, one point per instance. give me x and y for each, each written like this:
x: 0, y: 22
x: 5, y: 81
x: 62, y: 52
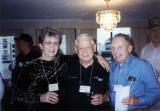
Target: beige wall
x: 72, y: 28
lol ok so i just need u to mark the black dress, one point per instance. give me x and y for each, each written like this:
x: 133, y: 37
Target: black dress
x: 34, y: 81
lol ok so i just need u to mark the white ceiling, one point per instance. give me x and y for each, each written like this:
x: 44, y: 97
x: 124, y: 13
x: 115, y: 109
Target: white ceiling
x: 76, y: 9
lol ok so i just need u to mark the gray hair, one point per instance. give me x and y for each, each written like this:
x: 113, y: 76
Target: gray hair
x: 50, y: 32
x: 84, y: 36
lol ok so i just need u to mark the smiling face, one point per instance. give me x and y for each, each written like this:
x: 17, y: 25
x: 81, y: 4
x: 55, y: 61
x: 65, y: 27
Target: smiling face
x: 85, y: 49
x: 49, y: 48
x: 121, y: 49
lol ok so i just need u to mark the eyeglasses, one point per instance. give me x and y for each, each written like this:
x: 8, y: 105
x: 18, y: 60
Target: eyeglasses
x: 51, y: 43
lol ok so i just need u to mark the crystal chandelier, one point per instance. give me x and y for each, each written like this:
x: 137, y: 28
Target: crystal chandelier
x: 108, y: 19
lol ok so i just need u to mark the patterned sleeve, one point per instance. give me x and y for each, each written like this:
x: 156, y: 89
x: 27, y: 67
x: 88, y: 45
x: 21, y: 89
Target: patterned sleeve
x: 25, y: 89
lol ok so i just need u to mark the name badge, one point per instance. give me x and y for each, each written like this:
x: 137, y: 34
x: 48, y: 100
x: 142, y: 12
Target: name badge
x: 53, y: 87
x: 84, y: 89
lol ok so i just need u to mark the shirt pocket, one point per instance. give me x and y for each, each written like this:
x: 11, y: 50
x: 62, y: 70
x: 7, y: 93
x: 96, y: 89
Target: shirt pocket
x: 136, y: 87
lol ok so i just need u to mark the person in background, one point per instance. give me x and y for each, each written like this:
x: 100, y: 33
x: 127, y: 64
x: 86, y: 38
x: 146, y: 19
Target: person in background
x: 26, y: 54
x: 128, y: 70
x: 151, y: 51
x: 1, y: 90
x: 24, y: 45
x: 87, y: 80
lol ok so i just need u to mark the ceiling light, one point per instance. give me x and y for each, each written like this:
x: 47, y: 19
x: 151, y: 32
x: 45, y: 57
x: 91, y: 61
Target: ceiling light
x: 108, y: 19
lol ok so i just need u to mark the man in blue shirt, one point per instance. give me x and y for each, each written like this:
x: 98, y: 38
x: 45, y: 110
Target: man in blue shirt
x: 128, y: 70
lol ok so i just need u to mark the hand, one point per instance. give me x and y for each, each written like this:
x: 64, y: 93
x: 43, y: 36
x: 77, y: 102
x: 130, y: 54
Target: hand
x: 49, y: 97
x: 97, y: 99
x: 106, y: 97
x: 131, y: 100
x: 103, y: 62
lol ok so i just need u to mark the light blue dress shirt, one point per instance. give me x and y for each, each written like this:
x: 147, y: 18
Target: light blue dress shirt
x: 139, y: 75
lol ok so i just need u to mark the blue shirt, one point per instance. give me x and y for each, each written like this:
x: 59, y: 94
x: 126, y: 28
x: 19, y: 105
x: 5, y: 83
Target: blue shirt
x: 139, y: 75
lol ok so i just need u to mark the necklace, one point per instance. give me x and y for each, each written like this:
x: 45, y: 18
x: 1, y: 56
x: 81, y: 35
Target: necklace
x: 45, y: 74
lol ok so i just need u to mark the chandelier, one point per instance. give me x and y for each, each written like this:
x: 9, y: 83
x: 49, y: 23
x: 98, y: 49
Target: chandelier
x: 108, y: 19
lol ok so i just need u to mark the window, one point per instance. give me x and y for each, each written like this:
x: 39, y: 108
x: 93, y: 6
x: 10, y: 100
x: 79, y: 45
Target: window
x: 7, y: 55
x: 63, y: 45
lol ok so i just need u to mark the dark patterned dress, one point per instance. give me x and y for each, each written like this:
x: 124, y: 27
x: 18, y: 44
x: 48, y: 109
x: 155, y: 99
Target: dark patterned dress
x: 34, y: 81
